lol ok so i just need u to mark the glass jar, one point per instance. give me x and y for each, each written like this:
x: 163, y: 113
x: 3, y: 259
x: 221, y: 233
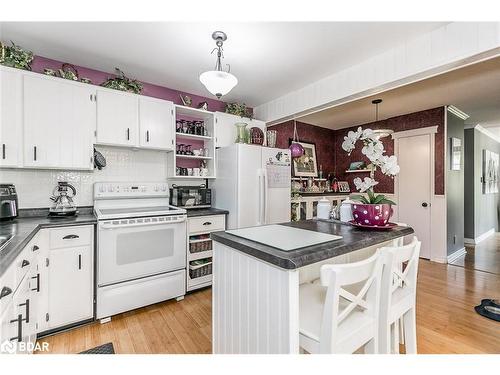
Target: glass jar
x: 241, y: 132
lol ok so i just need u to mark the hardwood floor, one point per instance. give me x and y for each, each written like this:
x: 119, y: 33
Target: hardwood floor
x: 482, y: 257
x: 446, y: 320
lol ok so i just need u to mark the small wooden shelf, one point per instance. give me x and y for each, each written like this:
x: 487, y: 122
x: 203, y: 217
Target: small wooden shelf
x: 199, y: 157
x: 305, y: 179
x: 193, y: 112
x: 193, y: 136
x: 199, y: 255
x: 193, y: 177
x: 358, y: 171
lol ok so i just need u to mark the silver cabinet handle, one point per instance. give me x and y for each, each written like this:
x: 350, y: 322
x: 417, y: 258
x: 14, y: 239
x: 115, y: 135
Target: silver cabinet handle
x: 3, y: 150
x: 207, y: 223
x: 19, y: 321
x: 27, y: 307
x: 71, y: 237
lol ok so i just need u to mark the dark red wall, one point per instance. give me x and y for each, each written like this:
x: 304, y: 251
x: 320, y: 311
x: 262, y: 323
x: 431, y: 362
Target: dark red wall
x: 335, y: 159
x: 322, y: 137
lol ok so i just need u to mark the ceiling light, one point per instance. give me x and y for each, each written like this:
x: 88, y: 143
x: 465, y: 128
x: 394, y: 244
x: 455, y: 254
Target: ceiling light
x: 217, y: 81
x: 380, y: 133
x: 457, y: 112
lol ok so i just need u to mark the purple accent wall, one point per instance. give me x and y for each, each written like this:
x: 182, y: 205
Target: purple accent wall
x: 335, y: 159
x: 97, y: 77
x: 322, y: 137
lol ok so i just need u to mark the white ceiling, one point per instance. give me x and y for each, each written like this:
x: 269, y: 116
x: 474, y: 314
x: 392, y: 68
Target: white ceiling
x: 269, y: 59
x: 474, y: 90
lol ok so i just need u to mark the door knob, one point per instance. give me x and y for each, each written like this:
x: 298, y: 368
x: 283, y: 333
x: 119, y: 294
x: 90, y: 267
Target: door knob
x: 424, y: 204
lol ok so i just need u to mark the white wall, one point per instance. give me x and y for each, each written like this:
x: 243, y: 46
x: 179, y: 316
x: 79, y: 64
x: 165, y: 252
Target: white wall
x: 34, y: 187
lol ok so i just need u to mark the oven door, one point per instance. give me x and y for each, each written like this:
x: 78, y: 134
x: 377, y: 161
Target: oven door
x: 133, y: 248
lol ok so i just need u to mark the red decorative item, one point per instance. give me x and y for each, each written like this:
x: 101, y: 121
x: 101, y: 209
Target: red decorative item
x: 256, y: 136
x: 371, y: 215
x: 296, y: 150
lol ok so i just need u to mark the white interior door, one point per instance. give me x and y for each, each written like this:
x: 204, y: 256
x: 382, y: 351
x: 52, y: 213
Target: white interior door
x: 414, y: 187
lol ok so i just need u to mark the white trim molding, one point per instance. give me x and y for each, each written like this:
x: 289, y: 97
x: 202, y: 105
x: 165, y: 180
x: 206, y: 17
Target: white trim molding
x: 481, y: 238
x: 457, y: 112
x: 486, y: 132
x: 415, y: 132
x: 457, y: 254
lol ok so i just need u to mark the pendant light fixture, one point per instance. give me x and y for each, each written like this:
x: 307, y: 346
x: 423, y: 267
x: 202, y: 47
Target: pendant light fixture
x: 217, y: 81
x: 296, y: 149
x: 380, y: 133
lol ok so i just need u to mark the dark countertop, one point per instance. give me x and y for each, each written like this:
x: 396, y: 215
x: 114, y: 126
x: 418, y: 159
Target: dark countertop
x: 352, y: 239
x: 23, y: 229
x: 193, y: 212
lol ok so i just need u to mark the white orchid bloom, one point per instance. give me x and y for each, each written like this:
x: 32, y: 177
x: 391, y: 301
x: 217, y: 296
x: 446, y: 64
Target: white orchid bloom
x: 373, y: 150
x: 350, y: 140
x: 389, y: 165
x: 364, y: 185
x: 367, y: 134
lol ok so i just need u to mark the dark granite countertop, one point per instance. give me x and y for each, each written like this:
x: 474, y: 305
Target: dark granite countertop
x: 352, y: 239
x: 193, y: 212
x: 23, y: 229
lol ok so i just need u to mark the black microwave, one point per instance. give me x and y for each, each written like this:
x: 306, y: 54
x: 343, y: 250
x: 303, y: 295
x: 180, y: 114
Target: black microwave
x: 190, y: 196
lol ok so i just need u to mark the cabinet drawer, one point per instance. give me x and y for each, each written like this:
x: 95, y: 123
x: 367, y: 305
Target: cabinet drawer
x: 70, y: 236
x: 206, y: 224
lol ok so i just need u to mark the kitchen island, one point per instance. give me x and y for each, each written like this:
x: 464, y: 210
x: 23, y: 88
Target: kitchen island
x: 255, y: 307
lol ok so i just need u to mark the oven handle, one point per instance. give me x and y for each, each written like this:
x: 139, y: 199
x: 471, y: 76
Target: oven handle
x: 116, y: 226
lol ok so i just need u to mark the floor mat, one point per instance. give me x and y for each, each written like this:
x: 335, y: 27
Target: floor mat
x: 489, y: 309
x: 101, y: 349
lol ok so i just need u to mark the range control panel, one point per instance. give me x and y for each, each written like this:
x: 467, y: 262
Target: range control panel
x: 110, y: 190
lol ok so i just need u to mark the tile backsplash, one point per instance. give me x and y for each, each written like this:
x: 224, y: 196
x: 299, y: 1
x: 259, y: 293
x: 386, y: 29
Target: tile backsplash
x: 34, y: 186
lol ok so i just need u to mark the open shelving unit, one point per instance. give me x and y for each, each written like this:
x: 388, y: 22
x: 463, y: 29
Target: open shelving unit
x: 366, y: 170
x: 195, y: 141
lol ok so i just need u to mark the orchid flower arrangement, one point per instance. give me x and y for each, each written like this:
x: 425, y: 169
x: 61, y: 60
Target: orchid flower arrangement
x: 373, y: 149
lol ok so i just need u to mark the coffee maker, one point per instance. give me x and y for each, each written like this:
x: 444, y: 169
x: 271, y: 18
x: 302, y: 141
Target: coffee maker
x: 8, y: 202
x: 62, y: 196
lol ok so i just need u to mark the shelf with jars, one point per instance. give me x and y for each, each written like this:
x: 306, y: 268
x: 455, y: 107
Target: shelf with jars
x: 194, y: 156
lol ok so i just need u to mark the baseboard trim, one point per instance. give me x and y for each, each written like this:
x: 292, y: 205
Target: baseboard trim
x: 455, y: 255
x: 482, y: 237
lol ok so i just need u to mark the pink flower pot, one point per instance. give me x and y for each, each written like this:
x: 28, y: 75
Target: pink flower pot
x: 371, y: 214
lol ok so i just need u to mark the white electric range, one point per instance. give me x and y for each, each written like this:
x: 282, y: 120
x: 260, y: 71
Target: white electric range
x: 141, y: 246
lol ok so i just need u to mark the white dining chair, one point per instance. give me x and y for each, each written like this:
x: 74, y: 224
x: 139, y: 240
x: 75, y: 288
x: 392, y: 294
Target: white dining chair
x: 398, y: 297
x: 335, y: 320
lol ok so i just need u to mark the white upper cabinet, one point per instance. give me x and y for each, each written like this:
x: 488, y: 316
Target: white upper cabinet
x: 117, y: 118
x: 11, y: 117
x: 156, y: 124
x: 225, y: 130
x: 59, y: 123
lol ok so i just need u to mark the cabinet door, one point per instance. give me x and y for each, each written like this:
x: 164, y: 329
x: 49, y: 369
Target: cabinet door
x: 225, y: 131
x: 59, y: 121
x: 11, y: 113
x: 156, y: 124
x: 117, y: 118
x: 8, y: 330
x: 70, y: 286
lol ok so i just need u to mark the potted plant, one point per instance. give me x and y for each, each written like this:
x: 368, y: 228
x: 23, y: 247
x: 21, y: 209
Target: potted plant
x: 373, y: 209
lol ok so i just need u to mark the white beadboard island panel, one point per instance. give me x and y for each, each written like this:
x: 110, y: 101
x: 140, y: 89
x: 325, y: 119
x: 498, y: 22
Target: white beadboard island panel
x: 255, y: 305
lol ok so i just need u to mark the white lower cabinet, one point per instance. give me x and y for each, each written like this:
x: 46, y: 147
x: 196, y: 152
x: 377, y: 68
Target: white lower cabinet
x: 199, y: 249
x: 48, y: 286
x: 70, y: 286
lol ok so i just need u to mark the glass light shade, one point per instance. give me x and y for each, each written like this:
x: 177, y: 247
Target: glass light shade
x: 218, y: 82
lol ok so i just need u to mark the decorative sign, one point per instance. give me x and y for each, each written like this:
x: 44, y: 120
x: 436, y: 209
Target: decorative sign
x: 456, y: 154
x: 278, y: 175
x: 490, y: 172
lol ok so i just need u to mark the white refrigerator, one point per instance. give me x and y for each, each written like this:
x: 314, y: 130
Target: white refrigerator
x: 253, y: 183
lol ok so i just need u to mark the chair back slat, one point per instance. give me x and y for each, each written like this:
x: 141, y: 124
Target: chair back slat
x: 336, y: 277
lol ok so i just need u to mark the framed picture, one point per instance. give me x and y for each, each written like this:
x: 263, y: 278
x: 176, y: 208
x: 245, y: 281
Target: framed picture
x: 490, y: 172
x: 306, y: 165
x: 456, y: 154
x: 344, y: 187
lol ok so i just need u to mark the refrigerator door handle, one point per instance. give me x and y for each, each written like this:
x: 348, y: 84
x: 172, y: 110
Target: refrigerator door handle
x: 261, y: 201
x: 264, y: 189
